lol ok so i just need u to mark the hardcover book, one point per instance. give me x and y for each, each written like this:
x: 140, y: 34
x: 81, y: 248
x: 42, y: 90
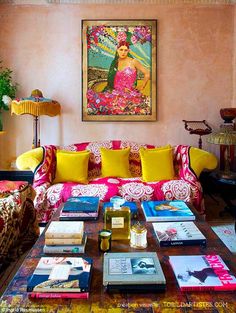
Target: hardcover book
x: 61, y: 274
x: 63, y: 241
x: 65, y: 249
x: 178, y: 233
x: 165, y: 211
x: 80, y: 216
x: 67, y: 230
x: 81, y: 204
x: 133, y: 272
x: 202, y: 272
x: 131, y: 205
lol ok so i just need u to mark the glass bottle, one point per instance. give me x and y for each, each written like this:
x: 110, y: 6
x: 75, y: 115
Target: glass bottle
x: 117, y: 219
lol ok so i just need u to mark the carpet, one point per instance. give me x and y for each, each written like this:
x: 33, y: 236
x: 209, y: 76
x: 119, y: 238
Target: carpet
x: 227, y: 234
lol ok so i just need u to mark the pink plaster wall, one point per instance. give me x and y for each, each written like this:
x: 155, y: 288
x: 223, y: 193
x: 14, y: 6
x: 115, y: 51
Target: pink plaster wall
x: 196, y: 64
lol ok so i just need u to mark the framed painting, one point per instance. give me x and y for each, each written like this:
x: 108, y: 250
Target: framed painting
x: 119, y: 70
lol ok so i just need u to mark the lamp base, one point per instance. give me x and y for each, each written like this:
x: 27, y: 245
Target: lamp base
x: 227, y: 175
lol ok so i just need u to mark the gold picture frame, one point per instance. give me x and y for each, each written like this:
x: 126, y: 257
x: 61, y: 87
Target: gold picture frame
x: 119, y: 80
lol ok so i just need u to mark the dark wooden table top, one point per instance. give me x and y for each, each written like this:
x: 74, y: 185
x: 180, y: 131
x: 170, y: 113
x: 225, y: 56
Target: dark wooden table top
x: 15, y: 298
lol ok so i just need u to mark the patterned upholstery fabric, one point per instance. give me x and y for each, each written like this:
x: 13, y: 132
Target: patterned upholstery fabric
x: 18, y: 223
x: 185, y: 186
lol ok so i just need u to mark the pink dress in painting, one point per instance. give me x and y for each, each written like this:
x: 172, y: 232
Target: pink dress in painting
x: 123, y: 99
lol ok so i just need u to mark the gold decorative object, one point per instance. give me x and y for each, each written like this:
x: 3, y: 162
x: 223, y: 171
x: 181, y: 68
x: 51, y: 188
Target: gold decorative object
x: 138, y: 236
x: 35, y: 105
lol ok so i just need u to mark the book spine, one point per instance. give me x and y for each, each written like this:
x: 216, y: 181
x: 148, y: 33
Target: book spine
x: 170, y: 218
x: 63, y: 235
x: 64, y: 249
x: 204, y: 288
x: 200, y: 242
x: 62, y: 241
x: 68, y: 218
x: 78, y: 214
x: 78, y: 210
x: 60, y: 295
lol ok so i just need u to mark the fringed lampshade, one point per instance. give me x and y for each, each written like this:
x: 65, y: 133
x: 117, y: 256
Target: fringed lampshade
x: 35, y: 105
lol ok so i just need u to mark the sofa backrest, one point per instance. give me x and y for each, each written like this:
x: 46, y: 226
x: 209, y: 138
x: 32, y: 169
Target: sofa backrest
x: 45, y: 172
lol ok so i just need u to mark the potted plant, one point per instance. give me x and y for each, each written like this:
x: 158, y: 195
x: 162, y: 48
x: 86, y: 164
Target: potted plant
x: 7, y: 90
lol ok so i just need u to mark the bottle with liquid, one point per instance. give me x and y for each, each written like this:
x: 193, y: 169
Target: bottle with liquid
x: 117, y: 219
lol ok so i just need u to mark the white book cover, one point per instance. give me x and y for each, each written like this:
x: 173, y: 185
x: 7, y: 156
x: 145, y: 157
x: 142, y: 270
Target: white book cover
x: 178, y: 233
x: 65, y: 229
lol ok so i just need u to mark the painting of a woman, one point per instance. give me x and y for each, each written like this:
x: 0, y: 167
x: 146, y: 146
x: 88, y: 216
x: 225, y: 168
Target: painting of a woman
x: 121, y: 86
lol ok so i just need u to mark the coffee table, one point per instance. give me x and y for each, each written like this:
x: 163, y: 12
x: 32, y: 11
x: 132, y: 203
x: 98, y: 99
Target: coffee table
x: 15, y: 298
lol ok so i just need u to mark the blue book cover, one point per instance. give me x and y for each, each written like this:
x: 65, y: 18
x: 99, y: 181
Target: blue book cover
x: 132, y: 205
x: 61, y: 274
x: 81, y: 204
x: 157, y: 211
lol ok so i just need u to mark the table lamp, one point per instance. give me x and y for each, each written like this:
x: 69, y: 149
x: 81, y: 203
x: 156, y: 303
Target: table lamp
x: 227, y: 137
x: 35, y: 105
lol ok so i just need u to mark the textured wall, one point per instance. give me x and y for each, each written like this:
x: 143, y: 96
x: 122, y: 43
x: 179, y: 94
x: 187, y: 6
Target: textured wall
x: 196, y: 63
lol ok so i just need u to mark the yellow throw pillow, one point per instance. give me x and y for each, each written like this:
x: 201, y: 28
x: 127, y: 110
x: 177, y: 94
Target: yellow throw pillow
x: 115, y: 163
x: 72, y: 166
x: 157, y: 164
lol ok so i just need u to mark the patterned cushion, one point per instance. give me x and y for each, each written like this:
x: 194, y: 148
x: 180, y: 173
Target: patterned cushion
x: 8, y: 187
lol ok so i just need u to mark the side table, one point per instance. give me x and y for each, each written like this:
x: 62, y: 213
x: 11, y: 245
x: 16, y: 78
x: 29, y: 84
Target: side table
x: 212, y: 184
x: 16, y: 175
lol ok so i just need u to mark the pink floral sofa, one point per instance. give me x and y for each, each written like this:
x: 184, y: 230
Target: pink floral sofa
x: 185, y: 185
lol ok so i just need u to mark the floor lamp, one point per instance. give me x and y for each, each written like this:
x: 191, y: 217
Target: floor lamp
x: 35, y: 105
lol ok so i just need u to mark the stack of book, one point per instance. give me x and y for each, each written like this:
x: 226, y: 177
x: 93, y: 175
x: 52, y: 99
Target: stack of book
x: 65, y: 237
x: 61, y: 277
x: 80, y: 208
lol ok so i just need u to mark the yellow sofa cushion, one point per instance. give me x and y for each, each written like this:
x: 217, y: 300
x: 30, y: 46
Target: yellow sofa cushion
x: 72, y: 166
x: 115, y: 163
x: 157, y: 164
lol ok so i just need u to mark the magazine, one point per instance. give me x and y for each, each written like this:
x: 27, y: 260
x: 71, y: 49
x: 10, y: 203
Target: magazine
x: 202, y: 272
x: 157, y: 211
x: 178, y: 233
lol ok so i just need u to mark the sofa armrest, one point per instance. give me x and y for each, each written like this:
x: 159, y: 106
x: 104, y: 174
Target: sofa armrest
x: 190, y: 161
x: 201, y: 159
x: 30, y: 159
x: 41, y: 161
x: 45, y: 171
